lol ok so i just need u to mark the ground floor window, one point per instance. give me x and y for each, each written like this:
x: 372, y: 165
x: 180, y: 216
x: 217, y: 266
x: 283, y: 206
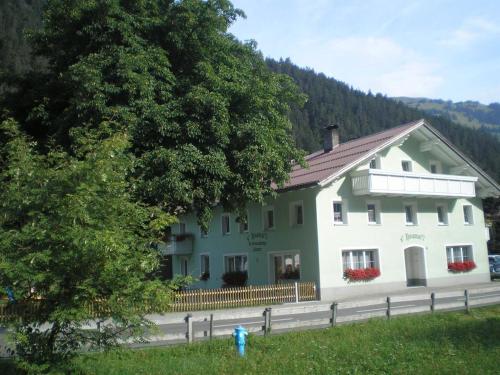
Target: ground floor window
x: 359, y: 259
x: 233, y: 263
x: 459, y: 253
x: 205, y: 267
x: 184, y: 266
x: 286, y: 266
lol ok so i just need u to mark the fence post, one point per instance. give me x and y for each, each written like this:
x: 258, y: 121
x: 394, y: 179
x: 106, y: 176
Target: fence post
x: 388, y: 307
x: 433, y: 301
x: 189, y: 324
x: 267, y: 320
x: 211, y: 325
x: 333, y: 321
x: 467, y: 306
x: 296, y: 292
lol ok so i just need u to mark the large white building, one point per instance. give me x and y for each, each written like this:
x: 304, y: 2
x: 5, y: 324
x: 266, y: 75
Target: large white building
x: 396, y: 209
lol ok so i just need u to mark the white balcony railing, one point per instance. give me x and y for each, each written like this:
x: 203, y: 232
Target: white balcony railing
x: 177, y: 245
x: 380, y: 182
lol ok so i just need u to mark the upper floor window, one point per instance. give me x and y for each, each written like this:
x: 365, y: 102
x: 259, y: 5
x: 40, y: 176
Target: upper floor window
x: 182, y: 228
x: 435, y: 166
x: 269, y: 218
x: 243, y: 224
x: 410, y: 213
x: 373, y: 210
x: 442, y: 214
x: 468, y: 218
x: 296, y: 213
x: 406, y: 165
x: 225, y: 222
x: 339, y: 214
x: 375, y: 163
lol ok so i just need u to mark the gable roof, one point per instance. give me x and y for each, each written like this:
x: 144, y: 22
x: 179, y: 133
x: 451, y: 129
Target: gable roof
x: 322, y: 165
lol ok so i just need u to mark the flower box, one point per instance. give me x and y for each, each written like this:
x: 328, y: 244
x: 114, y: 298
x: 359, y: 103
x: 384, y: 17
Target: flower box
x: 362, y: 274
x: 461, y: 266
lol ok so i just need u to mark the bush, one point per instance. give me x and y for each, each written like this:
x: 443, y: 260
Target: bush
x: 235, y: 278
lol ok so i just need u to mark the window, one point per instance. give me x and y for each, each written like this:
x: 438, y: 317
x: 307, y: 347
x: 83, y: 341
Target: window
x: 460, y: 253
x: 468, y: 219
x: 374, y: 163
x: 243, y: 224
x: 203, y: 233
x: 406, y: 165
x: 204, y: 266
x: 296, y: 213
x: 442, y: 214
x: 234, y: 263
x: 184, y: 266
x: 226, y: 228
x: 435, y: 166
x: 410, y: 213
x: 286, y: 266
x: 359, y: 259
x: 373, y: 212
x: 269, y: 218
x: 182, y: 228
x: 339, y: 214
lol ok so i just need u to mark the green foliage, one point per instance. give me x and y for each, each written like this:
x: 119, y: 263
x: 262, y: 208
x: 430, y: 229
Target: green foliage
x: 72, y: 235
x: 208, y: 121
x: 235, y: 278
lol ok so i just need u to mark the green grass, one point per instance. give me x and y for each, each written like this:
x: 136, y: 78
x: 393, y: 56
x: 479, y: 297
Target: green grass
x: 443, y: 343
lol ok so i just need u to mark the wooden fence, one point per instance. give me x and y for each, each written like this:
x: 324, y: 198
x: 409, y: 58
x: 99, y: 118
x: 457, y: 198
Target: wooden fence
x: 203, y: 299
x: 208, y: 299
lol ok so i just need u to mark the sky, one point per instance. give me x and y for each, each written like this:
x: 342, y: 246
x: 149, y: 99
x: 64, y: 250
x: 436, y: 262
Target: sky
x: 441, y: 49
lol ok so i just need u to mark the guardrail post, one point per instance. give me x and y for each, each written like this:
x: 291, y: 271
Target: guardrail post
x: 433, y: 301
x: 296, y: 292
x: 333, y: 321
x: 467, y: 306
x: 189, y: 324
x: 267, y: 320
x: 388, y: 307
x: 211, y: 325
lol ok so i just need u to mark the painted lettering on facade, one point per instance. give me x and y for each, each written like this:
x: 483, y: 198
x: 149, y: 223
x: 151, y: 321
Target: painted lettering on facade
x: 257, y: 240
x: 412, y: 236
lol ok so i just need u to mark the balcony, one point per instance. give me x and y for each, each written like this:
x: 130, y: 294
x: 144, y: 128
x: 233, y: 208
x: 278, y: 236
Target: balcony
x: 380, y: 182
x: 177, y: 245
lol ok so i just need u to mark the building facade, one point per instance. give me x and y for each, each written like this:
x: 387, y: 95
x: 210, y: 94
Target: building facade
x: 400, y: 208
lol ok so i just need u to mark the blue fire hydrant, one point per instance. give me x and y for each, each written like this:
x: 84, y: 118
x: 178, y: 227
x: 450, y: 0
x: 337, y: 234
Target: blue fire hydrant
x: 240, y: 334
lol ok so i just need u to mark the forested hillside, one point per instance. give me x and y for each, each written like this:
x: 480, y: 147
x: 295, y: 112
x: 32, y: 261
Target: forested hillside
x: 358, y: 114
x: 469, y: 113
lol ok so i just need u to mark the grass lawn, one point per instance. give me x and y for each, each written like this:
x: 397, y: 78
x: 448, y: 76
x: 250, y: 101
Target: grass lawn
x: 443, y: 343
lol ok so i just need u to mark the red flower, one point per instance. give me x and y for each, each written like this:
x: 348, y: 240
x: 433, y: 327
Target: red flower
x: 362, y: 274
x: 461, y: 266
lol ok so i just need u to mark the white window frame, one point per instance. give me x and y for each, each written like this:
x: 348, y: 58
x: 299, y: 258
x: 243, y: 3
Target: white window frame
x: 224, y: 215
x: 202, y: 264
x: 229, y: 255
x: 293, y: 213
x: 378, y: 213
x: 343, y: 213
x: 265, y: 221
x: 409, y: 163
x: 271, y: 256
x: 364, y: 250
x: 184, y: 261
x: 414, y: 209
x: 437, y: 164
x: 468, y: 207
x: 376, y: 161
x: 446, y: 217
x: 241, y: 225
x: 461, y: 257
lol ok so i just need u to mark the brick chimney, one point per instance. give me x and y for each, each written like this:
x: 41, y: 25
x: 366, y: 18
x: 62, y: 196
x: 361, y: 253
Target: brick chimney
x: 331, y: 138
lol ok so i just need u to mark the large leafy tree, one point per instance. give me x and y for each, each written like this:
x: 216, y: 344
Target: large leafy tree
x: 71, y: 236
x: 208, y: 121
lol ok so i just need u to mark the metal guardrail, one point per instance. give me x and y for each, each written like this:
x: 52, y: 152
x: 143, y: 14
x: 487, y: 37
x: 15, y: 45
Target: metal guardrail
x: 201, y: 326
